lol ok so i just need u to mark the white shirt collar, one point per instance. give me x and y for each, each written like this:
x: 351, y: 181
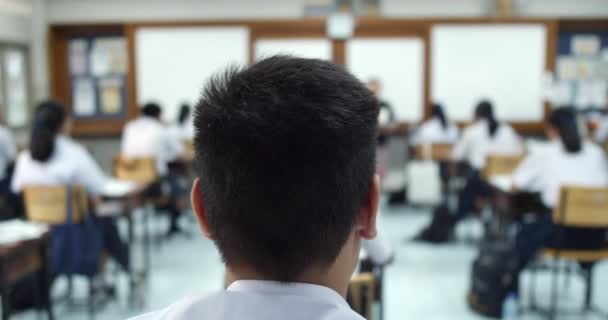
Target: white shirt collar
x: 293, y: 288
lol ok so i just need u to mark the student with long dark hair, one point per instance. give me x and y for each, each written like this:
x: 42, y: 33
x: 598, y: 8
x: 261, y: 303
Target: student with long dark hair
x: 567, y: 160
x: 436, y: 129
x: 54, y: 159
x: 486, y: 136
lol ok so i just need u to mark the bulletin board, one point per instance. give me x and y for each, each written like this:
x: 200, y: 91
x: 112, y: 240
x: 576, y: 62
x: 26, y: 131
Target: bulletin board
x: 98, y: 74
x: 581, y: 75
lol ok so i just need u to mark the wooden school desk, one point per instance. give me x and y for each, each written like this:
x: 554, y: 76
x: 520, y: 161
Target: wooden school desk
x: 24, y: 256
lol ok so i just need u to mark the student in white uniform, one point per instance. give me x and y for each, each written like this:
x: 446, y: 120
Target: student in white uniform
x: 148, y: 137
x: 569, y: 160
x: 54, y: 159
x: 484, y: 137
x: 436, y: 130
x: 286, y: 189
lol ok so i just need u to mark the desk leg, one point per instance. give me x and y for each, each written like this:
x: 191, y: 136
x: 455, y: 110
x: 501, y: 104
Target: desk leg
x: 45, y: 281
x: 6, y: 308
x: 147, y: 239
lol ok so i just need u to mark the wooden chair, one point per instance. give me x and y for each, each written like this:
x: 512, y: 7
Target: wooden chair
x: 500, y: 165
x: 49, y: 204
x: 52, y: 205
x: 582, y: 207
x: 143, y: 171
x: 140, y: 170
x: 362, y: 290
x: 189, y: 149
x: 434, y: 151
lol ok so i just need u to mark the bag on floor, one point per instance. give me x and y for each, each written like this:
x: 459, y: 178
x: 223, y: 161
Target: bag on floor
x: 440, y: 229
x: 423, y: 183
x: 492, y: 278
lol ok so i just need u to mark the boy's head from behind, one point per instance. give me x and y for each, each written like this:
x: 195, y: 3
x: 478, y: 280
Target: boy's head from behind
x: 285, y: 155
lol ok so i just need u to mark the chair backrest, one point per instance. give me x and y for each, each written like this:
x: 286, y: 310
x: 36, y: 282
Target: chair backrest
x: 434, y: 151
x: 500, y: 165
x: 189, y: 149
x: 584, y: 207
x: 362, y: 290
x: 51, y: 204
x: 140, y: 170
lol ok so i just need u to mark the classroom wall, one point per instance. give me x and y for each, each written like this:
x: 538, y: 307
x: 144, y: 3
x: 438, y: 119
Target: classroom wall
x: 117, y: 10
x: 45, y: 12
x: 14, y: 26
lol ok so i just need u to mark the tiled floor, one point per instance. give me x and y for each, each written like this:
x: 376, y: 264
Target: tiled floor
x: 426, y: 282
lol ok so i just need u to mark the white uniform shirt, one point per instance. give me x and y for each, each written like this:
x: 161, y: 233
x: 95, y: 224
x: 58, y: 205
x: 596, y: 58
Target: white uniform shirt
x: 476, y: 144
x: 266, y: 300
x: 70, y: 163
x: 547, y: 170
x: 8, y: 150
x: 148, y: 137
x: 432, y: 131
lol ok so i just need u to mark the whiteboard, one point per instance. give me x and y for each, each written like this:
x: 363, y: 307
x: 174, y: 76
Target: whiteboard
x: 319, y: 48
x: 399, y: 64
x: 503, y: 63
x: 174, y: 63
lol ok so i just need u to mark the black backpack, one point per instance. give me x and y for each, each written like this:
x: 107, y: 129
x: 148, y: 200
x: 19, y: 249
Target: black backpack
x: 441, y: 228
x: 493, y: 277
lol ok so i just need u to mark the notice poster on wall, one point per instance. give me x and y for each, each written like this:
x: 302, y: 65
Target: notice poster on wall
x: 108, y: 55
x: 585, y: 45
x: 110, y: 91
x: 78, y: 57
x: 83, y: 97
x: 566, y: 68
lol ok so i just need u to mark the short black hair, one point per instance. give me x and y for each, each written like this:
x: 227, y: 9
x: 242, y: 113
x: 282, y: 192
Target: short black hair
x: 285, y: 152
x: 151, y: 109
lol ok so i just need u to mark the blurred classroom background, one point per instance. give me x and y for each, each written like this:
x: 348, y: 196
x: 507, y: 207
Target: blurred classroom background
x: 105, y: 60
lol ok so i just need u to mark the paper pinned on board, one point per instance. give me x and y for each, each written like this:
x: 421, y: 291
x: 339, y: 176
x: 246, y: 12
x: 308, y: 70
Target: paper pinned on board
x: 84, y: 97
x: 78, y: 57
x: 566, y: 68
x: 585, y: 45
x: 110, y: 95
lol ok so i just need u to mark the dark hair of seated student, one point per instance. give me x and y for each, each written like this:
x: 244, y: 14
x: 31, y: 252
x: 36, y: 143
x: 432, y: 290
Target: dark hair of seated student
x: 563, y: 120
x: 184, y: 113
x: 288, y: 164
x: 485, y: 111
x: 437, y: 113
x: 48, y: 121
x: 152, y: 110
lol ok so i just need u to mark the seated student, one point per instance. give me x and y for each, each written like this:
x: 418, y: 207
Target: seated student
x: 147, y: 136
x: 435, y: 130
x: 55, y: 159
x: 8, y: 152
x: 484, y: 137
x: 569, y: 160
x: 286, y: 189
